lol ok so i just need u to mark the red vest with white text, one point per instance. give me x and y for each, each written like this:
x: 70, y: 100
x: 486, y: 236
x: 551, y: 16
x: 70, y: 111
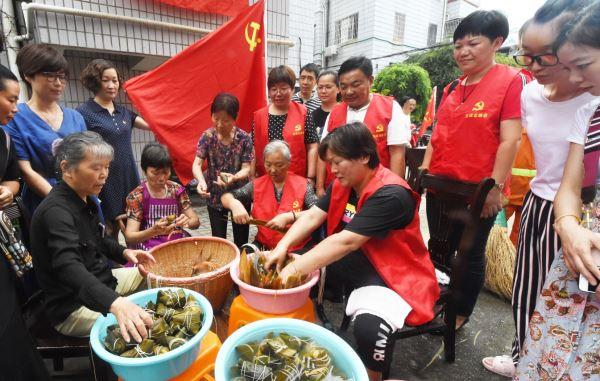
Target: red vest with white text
x: 265, y: 205
x: 293, y: 134
x: 467, y: 134
x: 401, y: 258
x: 377, y: 119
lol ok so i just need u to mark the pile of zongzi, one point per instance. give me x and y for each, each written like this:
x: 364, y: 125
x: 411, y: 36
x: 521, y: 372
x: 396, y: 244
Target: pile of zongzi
x: 285, y: 357
x: 254, y: 272
x: 176, y: 319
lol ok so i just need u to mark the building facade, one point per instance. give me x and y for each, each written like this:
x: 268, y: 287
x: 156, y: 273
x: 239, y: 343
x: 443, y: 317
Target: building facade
x: 383, y: 30
x: 137, y: 47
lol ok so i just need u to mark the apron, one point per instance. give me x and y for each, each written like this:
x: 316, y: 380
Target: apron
x: 154, y: 210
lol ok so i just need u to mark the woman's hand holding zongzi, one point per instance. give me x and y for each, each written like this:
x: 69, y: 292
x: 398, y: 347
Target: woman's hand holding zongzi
x: 139, y: 257
x: 6, y: 196
x: 132, y: 319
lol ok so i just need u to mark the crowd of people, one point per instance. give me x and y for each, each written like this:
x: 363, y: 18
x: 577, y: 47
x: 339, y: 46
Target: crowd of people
x: 322, y: 171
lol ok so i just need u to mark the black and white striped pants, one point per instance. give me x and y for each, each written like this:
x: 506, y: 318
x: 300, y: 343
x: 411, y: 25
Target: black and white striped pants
x: 537, y: 245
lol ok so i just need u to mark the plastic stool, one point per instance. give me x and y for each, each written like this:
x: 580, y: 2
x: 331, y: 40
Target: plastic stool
x: 241, y: 314
x: 203, y: 368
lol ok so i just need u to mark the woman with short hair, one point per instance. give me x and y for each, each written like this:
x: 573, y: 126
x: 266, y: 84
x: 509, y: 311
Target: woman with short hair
x: 228, y: 152
x: 115, y: 124
x: 280, y: 197
x: 41, y: 120
x: 476, y: 136
x: 285, y: 120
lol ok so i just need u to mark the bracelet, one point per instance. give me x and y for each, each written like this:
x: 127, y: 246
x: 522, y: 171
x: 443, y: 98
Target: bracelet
x: 568, y: 215
x: 294, y: 215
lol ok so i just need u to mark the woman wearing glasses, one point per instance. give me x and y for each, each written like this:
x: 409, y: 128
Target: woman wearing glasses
x: 285, y: 120
x: 41, y: 120
x: 548, y: 107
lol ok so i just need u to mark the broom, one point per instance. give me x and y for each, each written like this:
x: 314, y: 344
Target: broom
x: 500, y: 253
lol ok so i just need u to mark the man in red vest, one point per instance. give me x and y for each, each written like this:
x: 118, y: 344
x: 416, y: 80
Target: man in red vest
x: 373, y: 246
x: 382, y: 115
x: 279, y: 197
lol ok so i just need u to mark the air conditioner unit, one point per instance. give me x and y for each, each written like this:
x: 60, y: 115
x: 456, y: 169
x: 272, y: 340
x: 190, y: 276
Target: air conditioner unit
x: 331, y: 50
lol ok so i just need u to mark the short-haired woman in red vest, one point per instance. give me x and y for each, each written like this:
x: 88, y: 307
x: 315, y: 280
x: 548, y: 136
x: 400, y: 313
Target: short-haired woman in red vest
x: 477, y: 134
x: 285, y: 120
x: 280, y: 197
x: 373, y: 246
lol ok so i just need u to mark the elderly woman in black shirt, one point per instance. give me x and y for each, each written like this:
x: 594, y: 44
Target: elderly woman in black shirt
x: 70, y: 250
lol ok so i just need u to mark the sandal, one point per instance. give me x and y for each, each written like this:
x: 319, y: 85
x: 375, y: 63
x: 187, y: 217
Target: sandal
x: 502, y: 365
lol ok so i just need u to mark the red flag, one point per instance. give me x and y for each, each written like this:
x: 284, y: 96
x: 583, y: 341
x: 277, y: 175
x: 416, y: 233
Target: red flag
x: 175, y: 98
x: 222, y: 7
x: 429, y: 113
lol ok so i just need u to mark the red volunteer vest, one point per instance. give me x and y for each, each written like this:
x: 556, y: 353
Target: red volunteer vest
x: 467, y: 135
x: 265, y: 205
x: 293, y: 134
x: 379, y: 114
x: 401, y: 258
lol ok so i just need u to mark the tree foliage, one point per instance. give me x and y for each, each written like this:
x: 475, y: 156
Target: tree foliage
x: 403, y: 79
x: 439, y: 63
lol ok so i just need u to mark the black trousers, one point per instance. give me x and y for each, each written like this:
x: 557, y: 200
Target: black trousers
x: 218, y: 225
x: 473, y: 280
x: 19, y: 360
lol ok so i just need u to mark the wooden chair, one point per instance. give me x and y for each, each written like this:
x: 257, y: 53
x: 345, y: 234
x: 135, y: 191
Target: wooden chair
x: 50, y: 343
x: 414, y: 159
x: 452, y: 194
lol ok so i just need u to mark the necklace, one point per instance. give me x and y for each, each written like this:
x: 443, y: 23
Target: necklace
x: 53, y: 118
x: 464, y: 94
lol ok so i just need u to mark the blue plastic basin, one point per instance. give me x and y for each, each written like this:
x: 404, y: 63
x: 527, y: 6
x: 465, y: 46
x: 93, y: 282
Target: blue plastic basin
x: 342, y: 354
x: 156, y: 368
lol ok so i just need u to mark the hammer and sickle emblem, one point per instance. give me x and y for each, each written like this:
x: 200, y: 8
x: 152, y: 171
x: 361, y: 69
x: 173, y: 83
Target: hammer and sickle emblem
x: 379, y: 128
x: 478, y: 106
x: 296, y: 204
x: 298, y: 128
x: 253, y: 41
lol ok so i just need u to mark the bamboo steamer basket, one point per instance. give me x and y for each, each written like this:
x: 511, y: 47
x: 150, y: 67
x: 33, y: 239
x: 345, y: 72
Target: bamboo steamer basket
x: 175, y: 259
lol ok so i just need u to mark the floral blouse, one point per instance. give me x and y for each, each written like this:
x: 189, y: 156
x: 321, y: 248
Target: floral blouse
x: 223, y: 158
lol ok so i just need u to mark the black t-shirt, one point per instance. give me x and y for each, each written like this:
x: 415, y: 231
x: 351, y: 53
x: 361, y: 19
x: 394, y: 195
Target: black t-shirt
x: 9, y: 168
x: 319, y: 117
x: 389, y: 208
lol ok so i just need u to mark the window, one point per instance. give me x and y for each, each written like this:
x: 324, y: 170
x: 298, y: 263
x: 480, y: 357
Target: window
x: 399, y: 23
x: 432, y: 35
x: 346, y: 29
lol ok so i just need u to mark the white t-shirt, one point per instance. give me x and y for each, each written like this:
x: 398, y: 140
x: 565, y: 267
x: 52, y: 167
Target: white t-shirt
x: 398, y: 132
x: 548, y: 125
x: 581, y: 123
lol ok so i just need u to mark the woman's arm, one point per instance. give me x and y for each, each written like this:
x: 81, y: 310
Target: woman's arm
x: 321, y: 177
x: 140, y: 123
x: 311, y: 161
x: 193, y: 222
x: 243, y: 173
x: 427, y: 157
x: 240, y: 214
x: 133, y: 235
x: 8, y: 191
x: 577, y: 241
x: 331, y: 249
x: 397, y: 161
x: 510, y: 136
x: 34, y: 180
x: 310, y: 220
x: 202, y: 187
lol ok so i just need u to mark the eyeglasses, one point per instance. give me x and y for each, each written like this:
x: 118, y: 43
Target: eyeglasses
x: 548, y: 59
x: 52, y: 77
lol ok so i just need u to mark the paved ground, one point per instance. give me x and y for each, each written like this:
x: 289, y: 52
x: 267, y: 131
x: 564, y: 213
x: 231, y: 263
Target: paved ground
x: 489, y: 332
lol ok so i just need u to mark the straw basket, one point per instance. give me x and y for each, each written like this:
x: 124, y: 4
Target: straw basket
x: 175, y: 259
